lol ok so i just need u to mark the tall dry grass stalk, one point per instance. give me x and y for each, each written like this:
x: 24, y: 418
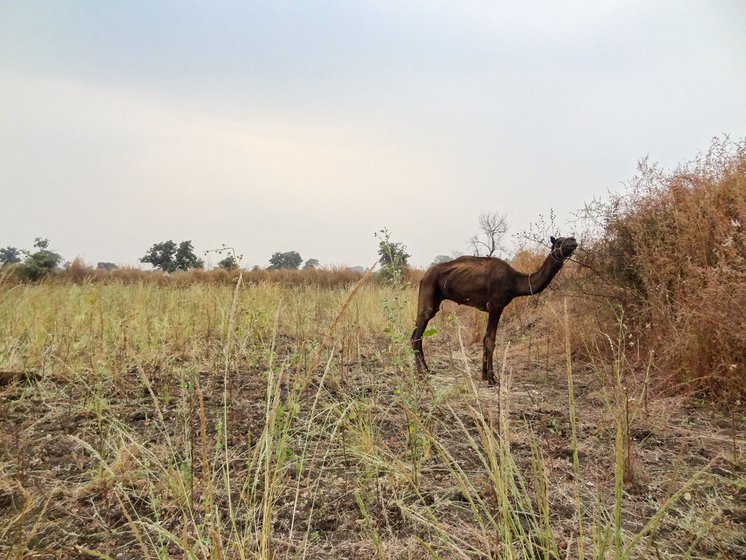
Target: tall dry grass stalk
x: 574, y: 436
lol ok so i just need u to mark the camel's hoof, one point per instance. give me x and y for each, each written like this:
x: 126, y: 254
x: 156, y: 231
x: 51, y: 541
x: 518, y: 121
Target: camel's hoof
x: 421, y: 367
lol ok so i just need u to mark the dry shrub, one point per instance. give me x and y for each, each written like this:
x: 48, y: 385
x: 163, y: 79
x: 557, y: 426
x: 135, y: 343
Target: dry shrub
x: 124, y: 275
x: 322, y: 277
x: 77, y: 271
x: 414, y: 275
x: 11, y: 274
x: 671, y: 250
x: 525, y: 260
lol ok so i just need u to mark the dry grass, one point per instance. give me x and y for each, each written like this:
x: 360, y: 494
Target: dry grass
x: 273, y: 421
x: 78, y: 273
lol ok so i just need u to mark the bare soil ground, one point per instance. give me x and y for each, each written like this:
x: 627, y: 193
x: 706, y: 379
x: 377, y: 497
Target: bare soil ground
x: 57, y: 498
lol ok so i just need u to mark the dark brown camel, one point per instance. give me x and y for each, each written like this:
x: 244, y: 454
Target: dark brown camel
x: 487, y: 283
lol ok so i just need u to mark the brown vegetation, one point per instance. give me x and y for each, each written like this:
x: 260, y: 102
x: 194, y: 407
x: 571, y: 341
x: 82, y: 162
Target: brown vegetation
x: 670, y: 252
x: 79, y: 273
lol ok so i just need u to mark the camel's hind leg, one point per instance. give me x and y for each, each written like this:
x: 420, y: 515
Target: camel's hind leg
x: 428, y: 304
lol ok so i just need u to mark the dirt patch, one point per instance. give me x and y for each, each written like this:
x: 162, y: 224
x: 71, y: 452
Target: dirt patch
x: 99, y: 469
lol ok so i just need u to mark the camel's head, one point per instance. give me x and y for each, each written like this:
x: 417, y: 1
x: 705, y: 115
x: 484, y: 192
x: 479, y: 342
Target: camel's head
x: 563, y: 247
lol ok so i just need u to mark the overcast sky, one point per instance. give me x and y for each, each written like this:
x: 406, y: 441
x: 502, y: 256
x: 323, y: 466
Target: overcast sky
x: 308, y: 126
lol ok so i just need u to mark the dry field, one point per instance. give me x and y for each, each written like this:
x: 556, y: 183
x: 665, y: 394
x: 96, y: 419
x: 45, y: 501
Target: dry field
x: 145, y: 421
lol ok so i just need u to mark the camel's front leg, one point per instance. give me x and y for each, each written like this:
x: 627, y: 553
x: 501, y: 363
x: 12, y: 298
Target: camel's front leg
x: 416, y: 339
x: 427, y: 306
x: 488, y: 373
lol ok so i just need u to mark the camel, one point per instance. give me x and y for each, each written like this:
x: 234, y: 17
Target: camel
x: 486, y: 283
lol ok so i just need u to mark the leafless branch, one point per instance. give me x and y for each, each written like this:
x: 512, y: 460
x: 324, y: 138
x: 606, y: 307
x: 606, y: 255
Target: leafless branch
x: 489, y: 239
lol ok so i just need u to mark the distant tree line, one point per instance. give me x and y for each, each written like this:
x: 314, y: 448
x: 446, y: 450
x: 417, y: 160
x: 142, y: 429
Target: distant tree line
x: 170, y: 256
x: 167, y: 256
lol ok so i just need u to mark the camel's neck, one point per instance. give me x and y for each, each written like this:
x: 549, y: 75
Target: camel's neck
x: 530, y: 284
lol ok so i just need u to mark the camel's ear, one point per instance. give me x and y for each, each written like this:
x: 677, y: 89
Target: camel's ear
x: 552, y: 239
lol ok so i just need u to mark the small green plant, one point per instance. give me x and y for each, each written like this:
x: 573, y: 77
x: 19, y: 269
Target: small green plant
x: 400, y: 352
x: 393, y: 257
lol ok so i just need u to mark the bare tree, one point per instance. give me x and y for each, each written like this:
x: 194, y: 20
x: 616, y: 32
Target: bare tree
x: 489, y: 239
